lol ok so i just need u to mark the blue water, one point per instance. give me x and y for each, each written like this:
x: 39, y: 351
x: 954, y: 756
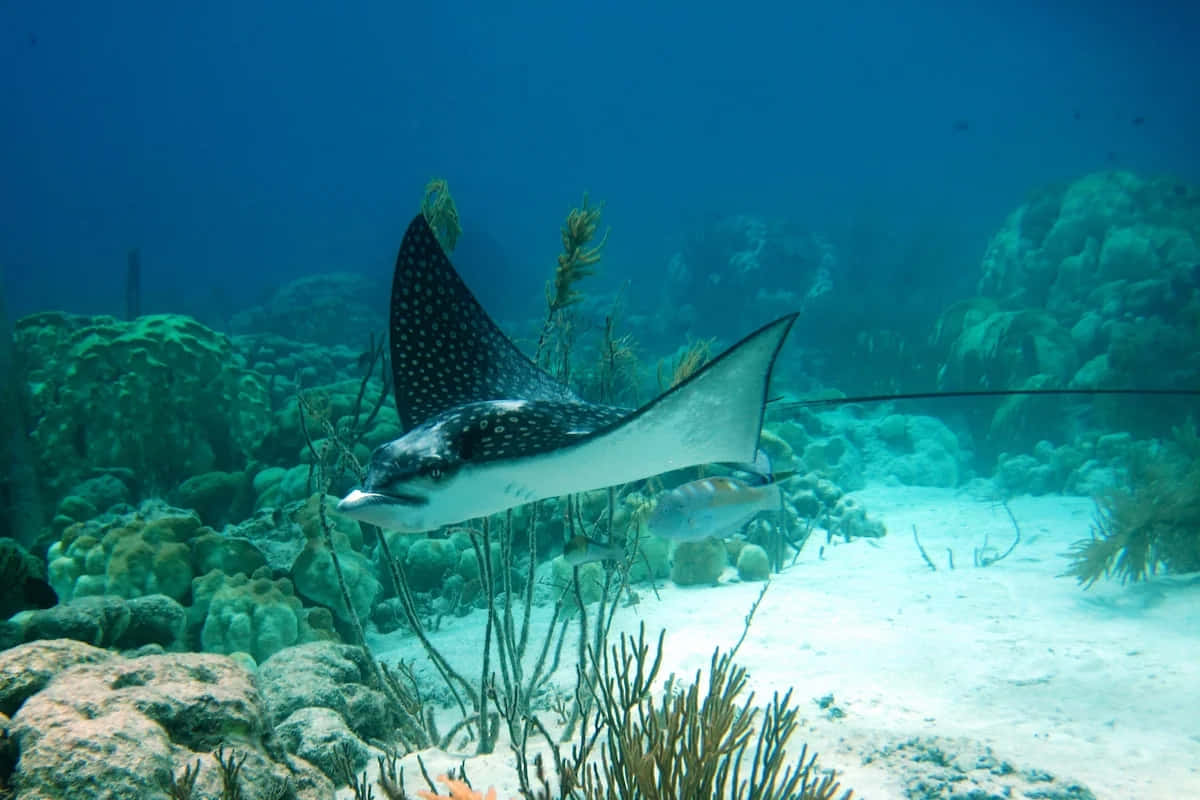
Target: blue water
x: 241, y: 145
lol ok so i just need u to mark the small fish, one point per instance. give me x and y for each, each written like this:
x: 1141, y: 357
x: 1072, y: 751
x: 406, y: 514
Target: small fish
x: 961, y: 125
x: 39, y: 594
x: 1139, y: 121
x: 716, y: 506
x: 582, y: 550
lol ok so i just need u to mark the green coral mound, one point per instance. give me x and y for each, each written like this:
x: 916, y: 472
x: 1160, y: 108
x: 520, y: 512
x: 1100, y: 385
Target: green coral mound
x: 142, y: 553
x: 161, y: 395
x: 1106, y: 230
x: 255, y: 615
x: 1089, y: 284
x: 1151, y: 525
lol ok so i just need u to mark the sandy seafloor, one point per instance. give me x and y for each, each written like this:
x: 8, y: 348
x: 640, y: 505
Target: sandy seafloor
x: 1098, y: 687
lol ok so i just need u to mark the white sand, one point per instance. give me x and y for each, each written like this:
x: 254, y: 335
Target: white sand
x: 1101, y: 687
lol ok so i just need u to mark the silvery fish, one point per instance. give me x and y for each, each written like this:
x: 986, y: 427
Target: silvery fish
x: 717, y: 506
x: 582, y: 550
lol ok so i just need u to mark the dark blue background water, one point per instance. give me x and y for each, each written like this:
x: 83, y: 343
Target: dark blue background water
x: 244, y: 144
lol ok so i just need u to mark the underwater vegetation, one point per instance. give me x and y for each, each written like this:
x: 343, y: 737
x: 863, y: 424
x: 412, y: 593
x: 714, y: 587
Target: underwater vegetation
x: 696, y: 740
x: 1150, y: 524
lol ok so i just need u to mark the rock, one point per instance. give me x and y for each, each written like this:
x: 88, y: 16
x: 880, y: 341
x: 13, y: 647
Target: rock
x: 321, y: 737
x: 325, y: 675
x: 154, y: 619
x: 230, y: 554
x: 26, y: 669
x: 77, y: 508
x: 19, y: 572
x: 218, y: 497
x: 122, y: 728
x: 849, y: 519
x: 100, y: 620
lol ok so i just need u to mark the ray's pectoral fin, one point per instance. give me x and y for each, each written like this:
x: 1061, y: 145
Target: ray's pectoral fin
x: 715, y: 415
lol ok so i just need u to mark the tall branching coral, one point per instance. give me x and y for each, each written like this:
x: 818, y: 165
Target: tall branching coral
x: 578, y: 258
x: 577, y: 261
x: 698, y: 741
x: 1151, y: 525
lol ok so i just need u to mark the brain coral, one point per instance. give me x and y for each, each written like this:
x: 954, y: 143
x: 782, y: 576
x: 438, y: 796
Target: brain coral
x: 162, y: 395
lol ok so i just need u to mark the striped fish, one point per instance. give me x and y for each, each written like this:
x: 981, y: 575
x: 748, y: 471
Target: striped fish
x: 717, y: 506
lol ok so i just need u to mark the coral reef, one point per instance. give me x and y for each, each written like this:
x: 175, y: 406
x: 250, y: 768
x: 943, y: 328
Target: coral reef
x: 162, y: 396
x: 850, y: 446
x: 20, y: 502
x: 328, y: 309
x: 1091, y: 284
x: 732, y: 273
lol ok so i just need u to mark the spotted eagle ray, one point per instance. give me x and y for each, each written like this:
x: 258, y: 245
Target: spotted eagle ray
x: 487, y: 430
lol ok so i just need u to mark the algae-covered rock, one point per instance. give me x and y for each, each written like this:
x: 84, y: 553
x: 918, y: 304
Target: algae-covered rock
x: 101, y: 621
x: 122, y: 727
x: 326, y: 675
x: 321, y: 737
x: 161, y: 395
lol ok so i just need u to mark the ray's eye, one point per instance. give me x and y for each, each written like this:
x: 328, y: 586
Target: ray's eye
x: 433, y: 470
